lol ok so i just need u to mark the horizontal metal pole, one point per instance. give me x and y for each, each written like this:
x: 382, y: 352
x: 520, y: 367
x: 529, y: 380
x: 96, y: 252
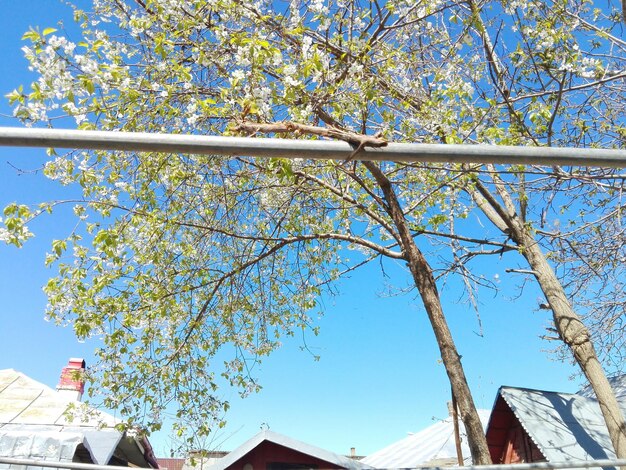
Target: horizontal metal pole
x: 516, y: 466
x: 547, y: 465
x: 57, y: 464
x: 310, y: 149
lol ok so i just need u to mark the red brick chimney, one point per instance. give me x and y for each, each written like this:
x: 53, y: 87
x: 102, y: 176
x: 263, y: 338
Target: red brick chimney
x: 71, y: 383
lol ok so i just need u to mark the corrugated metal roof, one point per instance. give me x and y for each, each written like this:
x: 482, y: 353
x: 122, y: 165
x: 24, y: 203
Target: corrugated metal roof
x: 564, y: 426
x: 54, y: 442
x: 291, y: 443
x: 618, y: 384
x: 433, y: 446
x: 41, y: 446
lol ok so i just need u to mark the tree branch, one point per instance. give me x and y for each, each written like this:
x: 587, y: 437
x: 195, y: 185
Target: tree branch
x: 358, y: 141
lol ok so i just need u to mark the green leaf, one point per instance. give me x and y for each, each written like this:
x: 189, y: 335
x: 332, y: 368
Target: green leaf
x: 59, y: 246
x: 31, y: 35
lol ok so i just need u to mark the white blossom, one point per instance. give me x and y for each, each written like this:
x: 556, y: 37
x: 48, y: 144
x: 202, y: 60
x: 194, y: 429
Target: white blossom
x: 318, y: 7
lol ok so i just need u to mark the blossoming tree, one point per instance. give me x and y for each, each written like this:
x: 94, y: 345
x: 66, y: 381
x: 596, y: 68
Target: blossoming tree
x: 179, y: 257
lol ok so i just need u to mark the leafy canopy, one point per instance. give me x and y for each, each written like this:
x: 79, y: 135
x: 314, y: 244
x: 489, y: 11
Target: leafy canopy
x: 190, y: 266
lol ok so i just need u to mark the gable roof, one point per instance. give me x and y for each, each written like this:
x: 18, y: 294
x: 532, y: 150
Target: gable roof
x: 433, y: 446
x: 34, y: 425
x: 563, y: 426
x: 285, y: 441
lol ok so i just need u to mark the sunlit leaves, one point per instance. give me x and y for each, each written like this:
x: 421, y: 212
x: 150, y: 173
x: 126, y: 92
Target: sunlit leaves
x: 15, y: 230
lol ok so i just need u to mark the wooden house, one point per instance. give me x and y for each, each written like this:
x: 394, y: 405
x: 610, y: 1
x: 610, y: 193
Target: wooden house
x: 269, y: 450
x: 536, y: 426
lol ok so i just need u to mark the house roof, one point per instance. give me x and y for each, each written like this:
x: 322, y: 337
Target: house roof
x: 34, y: 425
x: 28, y: 402
x: 618, y: 384
x: 195, y: 460
x: 564, y: 426
x: 170, y: 463
x: 433, y: 446
x: 290, y: 443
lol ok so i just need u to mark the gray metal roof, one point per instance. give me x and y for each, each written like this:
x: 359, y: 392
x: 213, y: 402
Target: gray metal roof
x: 34, y: 424
x: 52, y: 444
x: 433, y: 446
x: 618, y: 384
x: 42, y: 445
x: 564, y: 426
x: 290, y: 443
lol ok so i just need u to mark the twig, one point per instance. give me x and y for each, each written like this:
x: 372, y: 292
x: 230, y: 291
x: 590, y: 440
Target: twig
x: 521, y: 271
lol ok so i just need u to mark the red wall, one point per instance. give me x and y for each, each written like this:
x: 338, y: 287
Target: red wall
x: 268, y: 452
x: 507, y: 439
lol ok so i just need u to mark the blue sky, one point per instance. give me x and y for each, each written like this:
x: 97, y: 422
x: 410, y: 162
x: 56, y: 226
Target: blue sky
x: 379, y: 375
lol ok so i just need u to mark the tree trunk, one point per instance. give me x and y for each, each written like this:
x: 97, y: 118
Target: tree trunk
x: 425, y: 282
x: 571, y: 329
x: 576, y: 335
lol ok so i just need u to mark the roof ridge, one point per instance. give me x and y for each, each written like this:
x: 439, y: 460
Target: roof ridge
x: 528, y: 389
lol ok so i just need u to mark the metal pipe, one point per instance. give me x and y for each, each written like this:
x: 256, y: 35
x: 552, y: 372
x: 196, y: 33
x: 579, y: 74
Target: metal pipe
x: 516, y: 466
x: 547, y: 465
x: 57, y: 464
x: 310, y: 149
